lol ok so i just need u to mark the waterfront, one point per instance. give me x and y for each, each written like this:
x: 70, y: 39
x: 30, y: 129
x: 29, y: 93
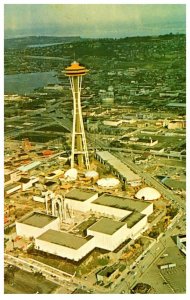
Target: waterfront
x: 43, y: 45
x: 27, y: 82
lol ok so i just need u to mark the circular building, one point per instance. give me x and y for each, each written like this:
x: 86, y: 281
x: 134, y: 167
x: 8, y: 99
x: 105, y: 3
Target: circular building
x: 71, y: 174
x: 148, y: 194
x: 92, y: 174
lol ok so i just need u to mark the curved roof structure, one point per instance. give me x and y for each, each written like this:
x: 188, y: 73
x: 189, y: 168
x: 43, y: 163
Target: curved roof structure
x: 148, y: 193
x: 108, y: 182
x: 91, y: 174
x: 71, y: 174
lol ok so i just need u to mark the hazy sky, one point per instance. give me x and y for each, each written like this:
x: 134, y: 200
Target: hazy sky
x: 93, y: 20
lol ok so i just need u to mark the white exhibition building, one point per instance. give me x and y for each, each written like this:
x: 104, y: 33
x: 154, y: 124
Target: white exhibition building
x: 119, y: 219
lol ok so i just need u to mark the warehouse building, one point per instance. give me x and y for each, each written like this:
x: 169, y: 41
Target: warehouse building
x: 27, y: 183
x: 121, y: 219
x: 80, y: 200
x: 64, y: 244
x: 181, y: 242
x: 11, y: 188
x: 54, y: 174
x: 136, y: 224
x: 125, y: 205
x: 119, y: 168
x: 134, y: 213
x: 11, y: 176
x: 35, y: 223
x: 108, y: 233
x: 30, y: 166
x: 108, y: 273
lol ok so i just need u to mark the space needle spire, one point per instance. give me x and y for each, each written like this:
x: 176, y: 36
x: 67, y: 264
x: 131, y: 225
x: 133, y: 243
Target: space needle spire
x: 79, y: 146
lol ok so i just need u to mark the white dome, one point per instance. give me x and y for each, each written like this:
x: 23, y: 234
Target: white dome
x: 91, y: 174
x: 71, y: 174
x: 148, y: 193
x: 108, y: 182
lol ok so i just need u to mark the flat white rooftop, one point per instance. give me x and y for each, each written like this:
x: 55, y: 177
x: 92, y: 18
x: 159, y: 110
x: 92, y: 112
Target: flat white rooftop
x: 121, y: 203
x: 80, y: 195
x: 106, y: 226
x: 11, y: 186
x: 63, y: 239
x: 29, y: 166
x: 37, y: 219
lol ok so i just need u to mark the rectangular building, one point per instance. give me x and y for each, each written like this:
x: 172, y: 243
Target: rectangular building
x: 35, y: 223
x: 79, y: 199
x: 11, y: 188
x: 64, y: 244
x: 108, y: 234
x: 121, y: 170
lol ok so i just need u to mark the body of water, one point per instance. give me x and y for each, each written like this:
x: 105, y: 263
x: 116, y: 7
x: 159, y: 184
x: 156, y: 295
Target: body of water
x: 26, y: 83
x: 43, y: 45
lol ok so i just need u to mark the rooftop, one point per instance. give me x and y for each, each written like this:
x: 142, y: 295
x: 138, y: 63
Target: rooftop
x: 175, y: 184
x: 75, y: 69
x: 119, y: 166
x: 121, y: 203
x: 108, y: 271
x: 148, y: 193
x: 24, y: 180
x: 107, y: 226
x: 37, y: 219
x: 176, y: 104
x: 8, y: 171
x: 133, y: 219
x: 29, y: 166
x: 79, y: 195
x: 11, y: 186
x: 63, y: 239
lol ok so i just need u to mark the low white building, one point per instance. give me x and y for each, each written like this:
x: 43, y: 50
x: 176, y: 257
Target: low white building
x: 80, y: 200
x: 11, y: 188
x: 64, y: 244
x: 41, y: 199
x: 11, y: 176
x: 120, y: 207
x: 136, y: 224
x: 35, y: 223
x: 133, y: 212
x: 181, y: 242
x: 108, y: 233
x: 112, y: 122
x: 54, y: 174
x: 108, y: 210
x: 121, y: 219
x: 27, y: 183
x: 30, y: 166
x: 55, y: 87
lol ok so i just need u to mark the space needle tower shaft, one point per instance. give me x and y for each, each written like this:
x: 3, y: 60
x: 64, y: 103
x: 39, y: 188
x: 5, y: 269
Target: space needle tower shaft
x: 79, y: 146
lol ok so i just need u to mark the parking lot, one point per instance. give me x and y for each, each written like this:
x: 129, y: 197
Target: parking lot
x: 168, y: 281
x: 175, y: 278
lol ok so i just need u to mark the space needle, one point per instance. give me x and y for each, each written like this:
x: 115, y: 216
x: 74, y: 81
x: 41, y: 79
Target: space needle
x: 79, y: 146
